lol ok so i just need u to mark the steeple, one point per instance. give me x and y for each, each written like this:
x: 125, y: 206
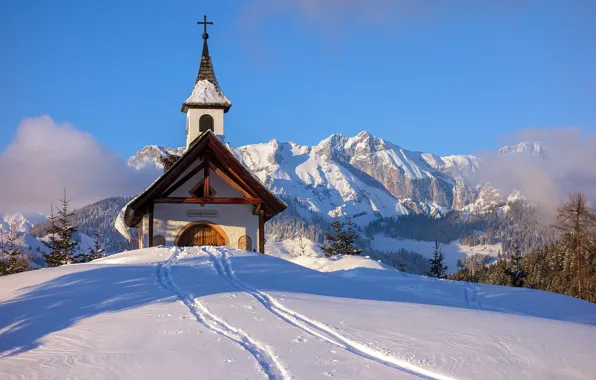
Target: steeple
x: 206, y: 105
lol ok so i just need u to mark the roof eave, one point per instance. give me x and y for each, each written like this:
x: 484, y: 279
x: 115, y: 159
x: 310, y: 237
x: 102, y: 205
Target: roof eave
x: 187, y: 106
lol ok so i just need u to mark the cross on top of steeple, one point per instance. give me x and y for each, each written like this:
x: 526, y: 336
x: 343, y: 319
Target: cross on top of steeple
x: 205, y: 23
x: 206, y: 92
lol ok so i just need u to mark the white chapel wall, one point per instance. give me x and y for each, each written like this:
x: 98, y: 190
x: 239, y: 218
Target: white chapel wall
x: 235, y: 220
x: 192, y: 122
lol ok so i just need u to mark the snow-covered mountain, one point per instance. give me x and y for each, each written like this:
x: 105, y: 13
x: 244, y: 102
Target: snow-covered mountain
x: 23, y: 222
x: 150, y: 156
x: 363, y: 176
x: 532, y: 148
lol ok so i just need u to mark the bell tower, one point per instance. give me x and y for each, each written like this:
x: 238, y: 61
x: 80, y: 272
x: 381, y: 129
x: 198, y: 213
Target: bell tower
x: 207, y: 104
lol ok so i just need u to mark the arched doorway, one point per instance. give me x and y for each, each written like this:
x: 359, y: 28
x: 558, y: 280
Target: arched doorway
x: 201, y: 233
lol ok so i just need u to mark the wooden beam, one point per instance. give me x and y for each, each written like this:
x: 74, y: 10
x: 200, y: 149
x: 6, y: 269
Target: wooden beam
x: 231, y: 183
x: 220, y: 153
x: 244, y: 176
x: 150, y: 232
x: 261, y: 231
x: 237, y: 183
x: 257, y: 209
x: 181, y: 181
x: 206, y: 174
x: 231, y: 201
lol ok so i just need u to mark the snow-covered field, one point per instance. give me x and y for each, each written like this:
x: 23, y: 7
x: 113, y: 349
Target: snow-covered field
x: 217, y: 313
x: 453, y: 251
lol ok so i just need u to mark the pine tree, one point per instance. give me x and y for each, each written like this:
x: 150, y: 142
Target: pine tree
x: 60, y: 242
x: 348, y: 239
x: 342, y: 241
x: 333, y: 241
x: 95, y: 252
x: 402, y: 266
x: 437, y: 267
x: 515, y: 270
x: 12, y: 257
x: 3, y: 256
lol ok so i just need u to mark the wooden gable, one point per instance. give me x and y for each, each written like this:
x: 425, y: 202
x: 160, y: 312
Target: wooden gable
x: 206, y: 162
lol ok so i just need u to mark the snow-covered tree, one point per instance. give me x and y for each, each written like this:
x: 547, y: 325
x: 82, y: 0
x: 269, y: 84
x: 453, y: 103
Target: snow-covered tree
x: 12, y: 257
x: 515, y: 269
x: 333, y: 240
x: 577, y: 223
x: 95, y: 252
x: 348, y: 239
x: 437, y: 267
x: 341, y: 241
x: 60, y: 241
x: 302, y: 243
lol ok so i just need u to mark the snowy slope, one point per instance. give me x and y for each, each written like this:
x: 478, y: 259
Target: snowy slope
x: 217, y: 313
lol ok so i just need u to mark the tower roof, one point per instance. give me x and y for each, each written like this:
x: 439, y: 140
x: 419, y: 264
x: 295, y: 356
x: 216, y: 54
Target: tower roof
x: 206, y: 92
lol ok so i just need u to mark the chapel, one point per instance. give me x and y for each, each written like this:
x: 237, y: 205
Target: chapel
x: 206, y: 196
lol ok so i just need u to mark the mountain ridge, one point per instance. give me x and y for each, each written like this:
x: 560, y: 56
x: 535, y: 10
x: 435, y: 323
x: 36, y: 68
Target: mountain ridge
x: 361, y: 175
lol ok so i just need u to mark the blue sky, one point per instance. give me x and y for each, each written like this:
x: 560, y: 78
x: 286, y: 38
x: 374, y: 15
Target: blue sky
x: 446, y: 80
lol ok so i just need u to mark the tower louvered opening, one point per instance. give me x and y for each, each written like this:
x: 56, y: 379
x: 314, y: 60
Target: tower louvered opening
x: 206, y: 123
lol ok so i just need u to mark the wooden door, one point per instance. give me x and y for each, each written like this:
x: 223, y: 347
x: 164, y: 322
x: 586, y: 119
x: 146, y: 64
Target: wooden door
x: 201, y: 234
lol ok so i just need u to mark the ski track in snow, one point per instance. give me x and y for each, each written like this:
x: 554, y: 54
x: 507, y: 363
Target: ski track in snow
x: 272, y: 368
x: 314, y: 327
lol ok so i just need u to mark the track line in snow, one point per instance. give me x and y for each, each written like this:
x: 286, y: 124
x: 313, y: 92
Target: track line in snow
x: 312, y: 326
x: 270, y: 365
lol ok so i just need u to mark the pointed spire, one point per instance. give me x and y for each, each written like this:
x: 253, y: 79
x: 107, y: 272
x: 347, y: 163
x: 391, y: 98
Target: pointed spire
x: 206, y: 69
x: 206, y: 92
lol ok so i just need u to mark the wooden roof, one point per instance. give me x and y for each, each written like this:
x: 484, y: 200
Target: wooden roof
x: 223, y: 159
x: 207, y: 73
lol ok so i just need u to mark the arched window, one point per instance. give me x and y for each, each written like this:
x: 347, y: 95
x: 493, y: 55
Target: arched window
x: 158, y: 240
x: 245, y: 243
x: 205, y: 123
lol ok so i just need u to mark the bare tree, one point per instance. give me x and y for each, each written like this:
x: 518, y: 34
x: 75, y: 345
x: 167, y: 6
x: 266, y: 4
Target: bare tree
x: 302, y: 244
x: 577, y: 223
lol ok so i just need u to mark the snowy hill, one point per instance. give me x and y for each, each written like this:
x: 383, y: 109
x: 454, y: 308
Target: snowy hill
x: 217, y: 313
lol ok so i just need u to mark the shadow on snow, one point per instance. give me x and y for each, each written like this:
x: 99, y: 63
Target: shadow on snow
x: 63, y: 301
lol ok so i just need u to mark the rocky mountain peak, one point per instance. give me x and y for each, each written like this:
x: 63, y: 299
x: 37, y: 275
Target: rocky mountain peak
x: 361, y: 175
x: 533, y: 148
x: 150, y: 156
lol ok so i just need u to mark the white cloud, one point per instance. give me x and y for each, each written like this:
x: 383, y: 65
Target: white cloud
x: 46, y: 157
x: 333, y: 16
x: 570, y: 166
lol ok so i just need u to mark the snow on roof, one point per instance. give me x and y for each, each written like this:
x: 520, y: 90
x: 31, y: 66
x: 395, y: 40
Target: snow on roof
x: 119, y: 223
x: 206, y: 93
